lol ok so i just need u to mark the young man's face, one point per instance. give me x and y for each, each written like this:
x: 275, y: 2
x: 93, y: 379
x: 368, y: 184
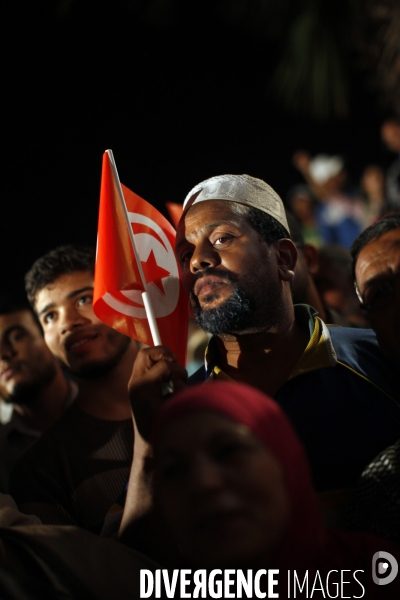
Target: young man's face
x: 378, y: 281
x: 229, y: 273
x: 26, y: 363
x: 71, y: 329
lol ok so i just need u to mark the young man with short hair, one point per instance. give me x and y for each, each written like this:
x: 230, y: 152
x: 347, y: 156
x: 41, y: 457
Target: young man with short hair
x: 78, y: 469
x: 34, y: 388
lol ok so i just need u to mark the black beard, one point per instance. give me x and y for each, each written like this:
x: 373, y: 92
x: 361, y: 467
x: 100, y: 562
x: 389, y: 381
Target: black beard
x: 98, y: 369
x: 235, y: 315
x: 26, y: 393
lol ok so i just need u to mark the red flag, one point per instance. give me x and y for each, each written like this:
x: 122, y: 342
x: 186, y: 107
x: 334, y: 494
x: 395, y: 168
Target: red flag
x: 175, y: 212
x: 119, y: 284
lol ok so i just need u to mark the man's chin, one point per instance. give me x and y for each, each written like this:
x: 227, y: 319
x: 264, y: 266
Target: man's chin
x: 94, y: 369
x: 22, y: 392
x: 228, y: 317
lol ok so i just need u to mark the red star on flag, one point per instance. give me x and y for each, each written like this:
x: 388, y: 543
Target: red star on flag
x: 153, y: 272
x: 118, y: 268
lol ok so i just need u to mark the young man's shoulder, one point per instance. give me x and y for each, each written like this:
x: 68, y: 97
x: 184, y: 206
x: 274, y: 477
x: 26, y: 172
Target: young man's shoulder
x: 74, y: 432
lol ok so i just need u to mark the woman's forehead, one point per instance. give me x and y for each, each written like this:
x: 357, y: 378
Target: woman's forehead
x: 201, y: 427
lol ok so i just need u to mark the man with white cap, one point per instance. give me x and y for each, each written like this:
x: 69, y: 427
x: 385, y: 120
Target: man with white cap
x: 237, y: 263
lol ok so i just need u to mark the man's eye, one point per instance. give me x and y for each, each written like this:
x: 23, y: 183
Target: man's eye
x: 17, y: 336
x: 222, y: 239
x: 87, y: 299
x: 380, y: 293
x: 48, y: 317
x: 186, y: 256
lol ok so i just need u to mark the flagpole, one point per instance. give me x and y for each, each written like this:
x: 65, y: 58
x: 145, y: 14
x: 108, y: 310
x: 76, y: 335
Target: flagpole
x: 145, y: 295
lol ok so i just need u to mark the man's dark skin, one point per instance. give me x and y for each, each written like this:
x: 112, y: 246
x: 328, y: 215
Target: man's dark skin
x: 212, y: 240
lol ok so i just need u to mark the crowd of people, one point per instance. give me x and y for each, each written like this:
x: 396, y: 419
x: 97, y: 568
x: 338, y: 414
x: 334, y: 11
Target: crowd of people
x: 280, y: 450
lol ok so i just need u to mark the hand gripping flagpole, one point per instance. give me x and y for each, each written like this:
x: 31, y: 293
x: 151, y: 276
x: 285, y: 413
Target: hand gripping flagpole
x: 145, y: 295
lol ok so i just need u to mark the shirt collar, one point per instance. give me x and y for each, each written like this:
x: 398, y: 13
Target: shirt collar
x: 319, y: 352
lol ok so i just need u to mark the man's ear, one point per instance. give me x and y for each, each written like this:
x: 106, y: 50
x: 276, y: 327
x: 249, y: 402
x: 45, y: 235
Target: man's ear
x: 286, y: 253
x: 311, y: 257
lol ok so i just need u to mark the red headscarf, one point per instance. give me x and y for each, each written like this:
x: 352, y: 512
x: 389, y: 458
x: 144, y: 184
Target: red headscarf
x: 307, y: 545
x: 262, y: 416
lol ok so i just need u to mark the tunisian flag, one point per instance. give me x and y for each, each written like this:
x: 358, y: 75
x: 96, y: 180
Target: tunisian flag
x: 121, y: 274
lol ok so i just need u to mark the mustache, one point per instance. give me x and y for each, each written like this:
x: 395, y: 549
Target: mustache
x: 231, y: 277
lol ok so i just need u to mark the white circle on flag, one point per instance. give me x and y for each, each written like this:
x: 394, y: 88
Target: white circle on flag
x: 163, y: 303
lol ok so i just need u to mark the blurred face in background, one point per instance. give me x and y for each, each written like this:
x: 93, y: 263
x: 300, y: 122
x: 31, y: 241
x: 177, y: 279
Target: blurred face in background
x: 220, y: 491
x: 378, y: 282
x: 303, y: 207
x: 390, y: 133
x: 26, y: 362
x: 373, y: 182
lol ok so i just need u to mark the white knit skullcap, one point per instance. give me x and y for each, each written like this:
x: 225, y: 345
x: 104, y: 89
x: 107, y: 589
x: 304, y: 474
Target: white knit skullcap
x: 242, y: 189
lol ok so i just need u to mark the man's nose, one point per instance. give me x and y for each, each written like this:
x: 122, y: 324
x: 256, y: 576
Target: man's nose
x: 204, y: 256
x: 71, y: 318
x: 7, y: 351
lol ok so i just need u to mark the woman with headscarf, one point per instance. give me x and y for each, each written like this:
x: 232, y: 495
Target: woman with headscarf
x: 233, y: 486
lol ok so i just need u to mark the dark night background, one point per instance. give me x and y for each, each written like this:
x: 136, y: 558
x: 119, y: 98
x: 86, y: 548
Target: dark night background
x: 178, y: 90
